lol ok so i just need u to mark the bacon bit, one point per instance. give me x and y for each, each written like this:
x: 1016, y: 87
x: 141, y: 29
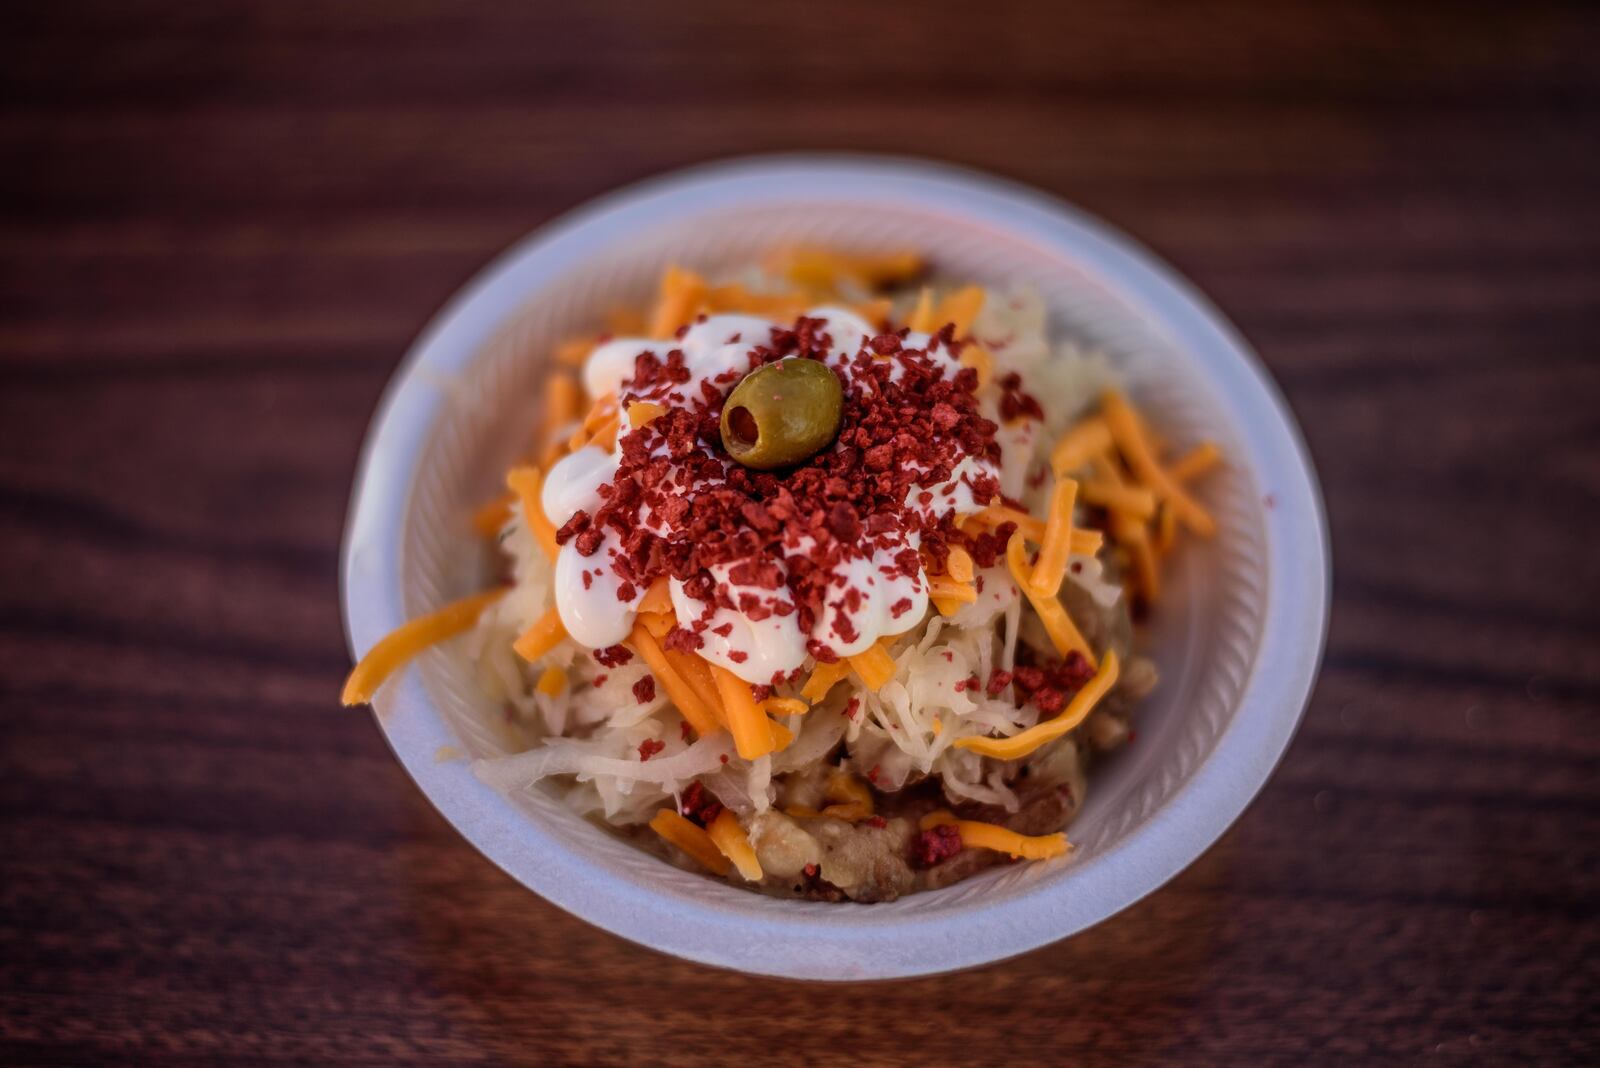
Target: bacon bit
x: 1014, y: 403
x: 650, y: 746
x: 698, y: 805
x: 877, y: 821
x: 600, y: 680
x: 998, y: 681
x: 684, y: 730
x: 851, y: 707
x: 872, y: 776
x: 810, y: 870
x: 934, y: 845
x: 724, y: 758
x: 613, y: 656
x: 738, y: 656
x: 644, y: 691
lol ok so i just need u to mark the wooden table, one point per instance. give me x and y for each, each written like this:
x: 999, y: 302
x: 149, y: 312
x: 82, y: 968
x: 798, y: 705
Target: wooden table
x: 220, y: 225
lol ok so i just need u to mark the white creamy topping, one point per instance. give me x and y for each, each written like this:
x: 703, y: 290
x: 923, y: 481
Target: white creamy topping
x: 753, y: 649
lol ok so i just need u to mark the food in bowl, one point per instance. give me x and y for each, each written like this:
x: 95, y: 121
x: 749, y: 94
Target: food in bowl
x: 821, y: 579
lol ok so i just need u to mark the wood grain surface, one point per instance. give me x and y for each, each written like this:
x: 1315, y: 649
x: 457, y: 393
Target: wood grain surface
x: 220, y: 226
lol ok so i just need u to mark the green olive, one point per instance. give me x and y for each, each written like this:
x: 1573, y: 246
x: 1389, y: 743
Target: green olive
x: 782, y: 413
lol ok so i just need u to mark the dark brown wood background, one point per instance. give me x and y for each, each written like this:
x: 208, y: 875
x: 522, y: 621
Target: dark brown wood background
x: 220, y: 226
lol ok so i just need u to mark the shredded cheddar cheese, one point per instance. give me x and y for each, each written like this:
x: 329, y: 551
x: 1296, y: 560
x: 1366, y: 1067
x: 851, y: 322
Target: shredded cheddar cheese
x: 823, y: 678
x: 563, y: 401
x: 785, y: 706
x: 488, y: 519
x: 574, y: 352
x: 552, y: 681
x: 1056, y: 545
x: 682, y: 293
x: 1077, y: 710
x: 823, y: 269
x: 960, y: 308
x: 978, y: 835
x: 689, y: 704
x: 946, y: 588
x: 1089, y: 438
x: 1196, y: 462
x: 980, y: 360
x: 873, y: 665
x: 959, y: 564
x: 691, y: 839
x: 542, y: 637
x: 697, y: 673
x: 1064, y: 634
x: 1130, y: 439
x: 921, y: 317
x: 526, y: 483
x: 731, y: 841
x: 643, y: 413
x: 1134, y: 501
x: 657, y: 600
x: 409, y: 639
x: 750, y: 727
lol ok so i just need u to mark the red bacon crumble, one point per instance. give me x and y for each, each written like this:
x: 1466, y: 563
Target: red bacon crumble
x: 877, y: 821
x: 1014, y: 403
x: 1050, y: 686
x: 650, y: 747
x: 935, y: 844
x: 644, y: 691
x: 613, y: 655
x: 698, y: 805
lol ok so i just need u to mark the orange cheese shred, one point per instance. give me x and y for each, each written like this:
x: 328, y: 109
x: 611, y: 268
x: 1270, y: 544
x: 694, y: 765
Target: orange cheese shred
x: 921, y: 317
x: 1130, y: 439
x: 1077, y: 710
x: 945, y: 588
x: 1089, y: 438
x: 1064, y: 634
x: 563, y: 401
x: 683, y: 696
x: 785, y: 706
x: 552, y: 681
x: 697, y: 673
x: 643, y: 413
x: 659, y: 624
x: 658, y: 598
x: 1196, y: 462
x: 526, y: 483
x: 731, y: 841
x: 682, y: 293
x: 1133, y: 501
x: 979, y: 835
x: 823, y: 678
x: 980, y: 360
x: 542, y: 637
x: 823, y: 269
x: 750, y: 727
x: 960, y: 308
x: 1132, y: 534
x: 1056, y: 545
x: 873, y: 665
x: 488, y: 519
x: 691, y: 839
x: 996, y: 514
x: 958, y: 563
x: 406, y: 641
x: 573, y: 352
x: 782, y: 737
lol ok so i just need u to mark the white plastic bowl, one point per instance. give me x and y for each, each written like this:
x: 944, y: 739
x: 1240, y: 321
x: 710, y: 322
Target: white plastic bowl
x: 1238, y: 635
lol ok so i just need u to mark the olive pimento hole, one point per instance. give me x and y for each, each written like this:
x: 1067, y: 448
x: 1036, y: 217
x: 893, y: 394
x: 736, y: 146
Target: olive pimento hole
x: 743, y: 425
